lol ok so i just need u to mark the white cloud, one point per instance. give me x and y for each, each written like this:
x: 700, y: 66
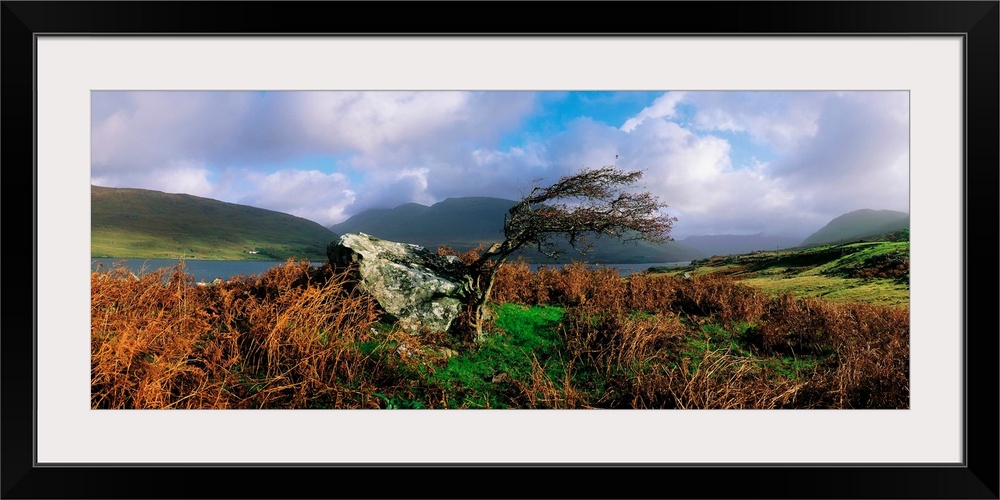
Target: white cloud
x: 413, y: 182
x: 694, y: 175
x: 664, y: 106
x: 182, y: 179
x: 778, y: 119
x: 178, y: 177
x: 148, y: 130
x: 389, y: 188
x: 859, y: 157
x: 836, y: 153
x: 395, y: 129
x: 826, y: 153
x: 139, y: 130
x: 368, y: 122
x: 309, y: 194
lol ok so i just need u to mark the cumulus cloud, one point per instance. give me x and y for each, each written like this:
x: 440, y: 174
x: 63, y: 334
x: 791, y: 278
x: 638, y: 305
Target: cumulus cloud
x: 664, y: 106
x: 825, y: 153
x: 777, y: 119
x: 151, y: 130
x: 309, y: 194
x: 836, y: 152
x: 137, y: 130
x: 372, y: 122
x: 176, y: 177
x: 859, y: 157
x: 694, y: 175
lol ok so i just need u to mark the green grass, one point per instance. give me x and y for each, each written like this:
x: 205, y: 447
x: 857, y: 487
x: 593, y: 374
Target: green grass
x: 137, y: 223
x: 486, y: 376
x: 495, y: 373
x: 878, y: 292
x: 792, y: 367
x: 530, y: 328
x: 872, y: 272
x: 120, y: 243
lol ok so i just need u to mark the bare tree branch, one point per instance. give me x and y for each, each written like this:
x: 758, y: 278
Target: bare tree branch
x: 595, y: 201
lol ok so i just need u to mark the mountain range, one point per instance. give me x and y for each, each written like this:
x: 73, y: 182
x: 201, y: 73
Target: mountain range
x: 464, y: 223
x: 731, y: 244
x: 140, y: 223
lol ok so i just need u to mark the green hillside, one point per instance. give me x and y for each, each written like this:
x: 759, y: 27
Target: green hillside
x: 730, y: 244
x: 140, y: 223
x: 877, y: 272
x: 464, y: 223
x: 864, y: 224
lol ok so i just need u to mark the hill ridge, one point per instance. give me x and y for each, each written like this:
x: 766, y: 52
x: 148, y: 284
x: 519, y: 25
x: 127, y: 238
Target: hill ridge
x: 859, y: 224
x: 146, y: 223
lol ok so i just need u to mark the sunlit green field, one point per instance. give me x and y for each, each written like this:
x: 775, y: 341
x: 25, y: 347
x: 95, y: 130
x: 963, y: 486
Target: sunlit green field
x: 869, y: 272
x: 879, y: 292
x: 116, y: 243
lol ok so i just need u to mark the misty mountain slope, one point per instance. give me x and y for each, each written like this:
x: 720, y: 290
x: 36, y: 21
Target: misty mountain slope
x: 859, y: 225
x: 731, y: 244
x: 394, y: 220
x: 459, y: 222
x: 464, y: 223
x: 893, y: 226
x: 141, y: 223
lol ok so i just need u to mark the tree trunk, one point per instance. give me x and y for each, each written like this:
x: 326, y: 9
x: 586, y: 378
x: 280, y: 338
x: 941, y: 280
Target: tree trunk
x: 479, y: 316
x: 479, y: 312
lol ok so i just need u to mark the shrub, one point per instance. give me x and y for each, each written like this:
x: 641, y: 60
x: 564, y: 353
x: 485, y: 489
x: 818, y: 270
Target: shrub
x: 288, y: 338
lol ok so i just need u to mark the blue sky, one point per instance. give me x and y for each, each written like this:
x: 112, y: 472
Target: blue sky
x: 778, y: 163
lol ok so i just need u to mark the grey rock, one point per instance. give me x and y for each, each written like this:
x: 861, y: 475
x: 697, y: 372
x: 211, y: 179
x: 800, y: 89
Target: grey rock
x: 422, y: 290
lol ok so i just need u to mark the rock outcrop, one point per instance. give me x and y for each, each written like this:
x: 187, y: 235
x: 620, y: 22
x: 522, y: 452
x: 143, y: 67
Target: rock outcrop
x: 422, y: 290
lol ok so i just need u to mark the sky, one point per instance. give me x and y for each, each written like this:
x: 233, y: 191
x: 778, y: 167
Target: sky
x: 776, y: 163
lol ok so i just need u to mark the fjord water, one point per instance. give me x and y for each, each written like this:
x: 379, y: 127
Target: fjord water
x: 201, y: 270
x: 208, y: 270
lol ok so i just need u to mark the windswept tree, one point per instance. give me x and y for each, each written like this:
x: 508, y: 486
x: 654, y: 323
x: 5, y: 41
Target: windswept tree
x: 593, y: 203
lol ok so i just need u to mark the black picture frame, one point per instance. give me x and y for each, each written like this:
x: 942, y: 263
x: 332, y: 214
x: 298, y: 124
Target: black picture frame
x: 978, y: 22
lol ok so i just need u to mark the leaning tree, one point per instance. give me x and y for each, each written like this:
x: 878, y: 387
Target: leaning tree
x: 594, y: 202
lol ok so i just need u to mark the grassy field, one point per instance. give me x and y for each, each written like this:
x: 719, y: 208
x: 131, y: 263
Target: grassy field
x: 137, y: 223
x: 869, y: 272
x: 119, y: 243
x: 568, y: 337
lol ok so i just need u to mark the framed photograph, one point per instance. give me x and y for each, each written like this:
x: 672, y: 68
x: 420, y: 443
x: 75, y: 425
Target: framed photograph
x: 69, y: 66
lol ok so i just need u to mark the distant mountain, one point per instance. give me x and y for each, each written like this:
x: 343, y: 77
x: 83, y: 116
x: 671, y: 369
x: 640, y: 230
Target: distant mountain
x: 464, y: 223
x: 141, y: 223
x: 461, y: 223
x: 731, y: 244
x: 861, y: 224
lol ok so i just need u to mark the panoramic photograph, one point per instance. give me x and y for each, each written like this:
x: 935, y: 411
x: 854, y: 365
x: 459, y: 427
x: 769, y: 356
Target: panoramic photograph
x: 664, y: 249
